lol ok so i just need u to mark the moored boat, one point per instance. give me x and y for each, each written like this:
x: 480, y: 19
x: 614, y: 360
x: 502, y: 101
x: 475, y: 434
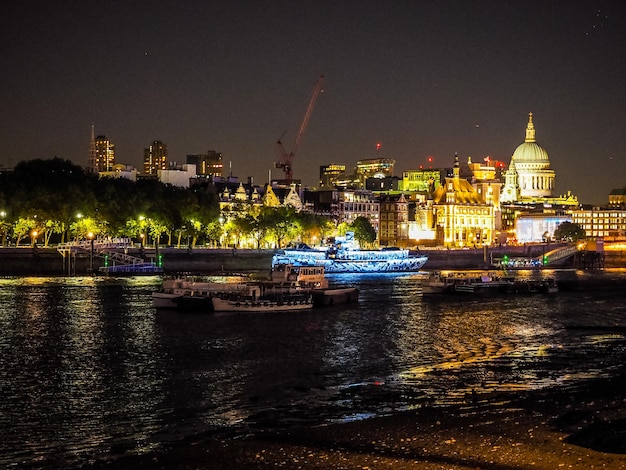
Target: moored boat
x: 484, y: 283
x: 465, y: 283
x: 344, y: 256
x: 334, y: 296
x: 190, y: 294
x: 258, y: 303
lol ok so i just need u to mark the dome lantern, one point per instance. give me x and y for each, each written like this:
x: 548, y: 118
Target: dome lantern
x: 530, y: 129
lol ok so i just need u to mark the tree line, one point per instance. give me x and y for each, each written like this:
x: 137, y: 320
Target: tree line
x: 55, y: 201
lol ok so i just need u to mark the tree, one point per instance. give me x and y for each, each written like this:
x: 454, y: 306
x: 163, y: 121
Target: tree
x: 363, y: 231
x: 569, y: 231
x: 280, y: 222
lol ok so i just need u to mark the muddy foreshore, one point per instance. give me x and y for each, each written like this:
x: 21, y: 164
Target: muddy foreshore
x: 580, y: 428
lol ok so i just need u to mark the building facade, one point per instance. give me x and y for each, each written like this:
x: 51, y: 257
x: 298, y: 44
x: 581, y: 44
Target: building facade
x: 461, y: 216
x: 617, y: 198
x: 599, y: 223
x: 373, y: 168
x: 209, y: 164
x: 104, y: 154
x: 329, y: 175
x: 154, y: 158
x: 529, y: 176
x: 394, y: 221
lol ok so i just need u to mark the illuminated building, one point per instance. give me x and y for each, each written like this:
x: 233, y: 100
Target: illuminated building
x: 178, y: 176
x: 101, y: 154
x: 394, y: 220
x: 154, y: 158
x: 330, y: 173
x: 358, y: 203
x: 209, y: 164
x: 531, y: 228
x: 597, y: 222
x: 460, y: 214
x: 484, y: 179
x: 120, y: 171
x: 529, y: 177
x: 421, y: 180
x: 381, y: 183
x: 373, y: 168
x: 344, y: 205
x: 617, y: 198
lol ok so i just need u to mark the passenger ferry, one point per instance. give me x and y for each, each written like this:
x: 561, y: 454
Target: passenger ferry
x: 344, y: 256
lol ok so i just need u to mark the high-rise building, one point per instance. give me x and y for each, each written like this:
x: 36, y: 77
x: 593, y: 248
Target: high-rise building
x: 104, y: 154
x: 374, y: 168
x: 209, y: 164
x: 329, y: 174
x: 155, y: 158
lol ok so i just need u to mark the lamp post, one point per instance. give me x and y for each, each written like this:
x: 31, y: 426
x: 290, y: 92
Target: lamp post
x: 33, y: 236
x: 3, y: 226
x: 79, y: 216
x: 90, y: 237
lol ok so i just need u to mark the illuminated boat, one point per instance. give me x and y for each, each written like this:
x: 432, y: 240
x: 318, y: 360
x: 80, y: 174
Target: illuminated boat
x: 190, y: 294
x: 484, y: 283
x: 345, y: 257
x: 465, y: 283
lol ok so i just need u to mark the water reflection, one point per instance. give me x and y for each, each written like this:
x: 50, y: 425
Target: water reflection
x: 89, y: 368
x: 81, y: 359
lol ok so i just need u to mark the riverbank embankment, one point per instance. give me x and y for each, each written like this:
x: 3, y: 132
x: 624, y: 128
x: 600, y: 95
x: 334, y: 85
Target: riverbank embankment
x: 36, y: 261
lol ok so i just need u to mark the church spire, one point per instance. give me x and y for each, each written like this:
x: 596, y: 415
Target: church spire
x: 530, y: 129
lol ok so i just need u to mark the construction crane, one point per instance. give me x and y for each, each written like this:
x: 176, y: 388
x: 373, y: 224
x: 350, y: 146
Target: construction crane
x: 285, y: 160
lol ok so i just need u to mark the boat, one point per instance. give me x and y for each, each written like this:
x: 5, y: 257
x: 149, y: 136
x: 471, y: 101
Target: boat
x: 288, y: 288
x: 465, y: 283
x: 254, y: 301
x: 334, y: 296
x: 344, y: 256
x: 484, y: 283
x: 188, y: 293
x: 312, y: 279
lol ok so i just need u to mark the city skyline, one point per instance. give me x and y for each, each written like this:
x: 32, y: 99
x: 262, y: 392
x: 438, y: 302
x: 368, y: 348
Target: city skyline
x: 422, y: 78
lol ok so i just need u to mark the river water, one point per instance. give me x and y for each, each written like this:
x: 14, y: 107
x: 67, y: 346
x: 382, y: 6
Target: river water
x: 89, y: 369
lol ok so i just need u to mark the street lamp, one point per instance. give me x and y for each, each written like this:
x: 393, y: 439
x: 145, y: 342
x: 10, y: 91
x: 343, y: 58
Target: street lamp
x: 2, y: 225
x: 33, y: 236
x: 90, y: 237
x: 79, y: 216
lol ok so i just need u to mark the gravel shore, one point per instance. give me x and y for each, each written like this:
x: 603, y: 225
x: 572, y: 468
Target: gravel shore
x: 548, y: 429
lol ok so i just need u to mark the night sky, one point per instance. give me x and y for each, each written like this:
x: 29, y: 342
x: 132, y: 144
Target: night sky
x: 423, y: 78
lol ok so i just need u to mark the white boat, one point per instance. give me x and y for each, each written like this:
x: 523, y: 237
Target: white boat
x: 344, y: 256
x: 312, y: 279
x: 191, y: 294
x: 287, y: 288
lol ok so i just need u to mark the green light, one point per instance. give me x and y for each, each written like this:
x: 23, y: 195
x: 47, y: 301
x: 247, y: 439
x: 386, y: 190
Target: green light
x: 106, y: 261
x: 160, y: 261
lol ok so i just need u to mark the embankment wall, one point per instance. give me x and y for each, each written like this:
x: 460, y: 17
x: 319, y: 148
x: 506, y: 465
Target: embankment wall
x: 49, y: 262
